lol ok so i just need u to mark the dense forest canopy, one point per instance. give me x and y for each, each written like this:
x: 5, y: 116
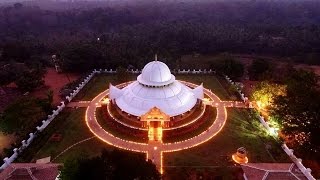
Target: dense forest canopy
x: 131, y: 32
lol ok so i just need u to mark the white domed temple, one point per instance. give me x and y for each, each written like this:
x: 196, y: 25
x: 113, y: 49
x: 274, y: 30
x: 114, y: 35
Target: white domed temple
x: 156, y: 87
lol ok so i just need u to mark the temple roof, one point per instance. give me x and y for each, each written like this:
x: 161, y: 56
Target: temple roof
x: 156, y: 87
x: 156, y: 73
x: 155, y: 114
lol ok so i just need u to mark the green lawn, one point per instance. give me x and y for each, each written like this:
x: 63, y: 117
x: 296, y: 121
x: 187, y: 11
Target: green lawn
x: 90, y: 148
x: 240, y: 130
x: 72, y: 129
x: 211, y: 114
x: 101, y: 82
x: 71, y: 125
x: 102, y: 120
x: 209, y: 81
x: 98, y: 84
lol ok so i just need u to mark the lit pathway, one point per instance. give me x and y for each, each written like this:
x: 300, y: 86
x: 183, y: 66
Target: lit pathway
x: 75, y: 104
x: 154, y: 149
x: 236, y: 104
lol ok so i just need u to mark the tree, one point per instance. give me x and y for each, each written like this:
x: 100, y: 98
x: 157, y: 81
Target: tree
x: 298, y: 112
x: 50, y: 96
x: 259, y: 69
x: 227, y: 65
x: 46, y: 103
x: 6, y: 77
x: 21, y: 116
x: 81, y: 58
x: 17, y: 5
x: 113, y: 164
x: 30, y: 80
x: 281, y: 73
x: 265, y: 92
x: 70, y: 169
x: 16, y: 51
x: 10, y: 72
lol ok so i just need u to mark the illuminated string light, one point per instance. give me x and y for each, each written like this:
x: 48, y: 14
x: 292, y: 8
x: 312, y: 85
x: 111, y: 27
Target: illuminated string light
x: 235, y: 159
x: 105, y: 136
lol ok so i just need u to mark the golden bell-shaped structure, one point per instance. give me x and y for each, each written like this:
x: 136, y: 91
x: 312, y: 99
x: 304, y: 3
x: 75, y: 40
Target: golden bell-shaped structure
x: 240, y: 156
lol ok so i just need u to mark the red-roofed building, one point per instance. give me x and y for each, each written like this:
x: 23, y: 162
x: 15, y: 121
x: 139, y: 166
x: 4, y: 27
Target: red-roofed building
x: 272, y: 171
x: 30, y: 171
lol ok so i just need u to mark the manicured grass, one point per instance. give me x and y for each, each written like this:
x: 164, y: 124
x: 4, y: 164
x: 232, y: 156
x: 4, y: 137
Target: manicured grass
x: 90, y: 148
x: 97, y: 84
x: 73, y: 129
x: 209, y: 81
x: 240, y: 130
x: 101, y: 82
x: 120, y: 130
x: 209, y: 118
x: 42, y: 138
x: 71, y: 125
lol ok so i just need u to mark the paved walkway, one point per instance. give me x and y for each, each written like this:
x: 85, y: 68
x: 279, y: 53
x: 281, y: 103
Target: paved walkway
x: 153, y: 149
x: 74, y: 104
x: 236, y: 104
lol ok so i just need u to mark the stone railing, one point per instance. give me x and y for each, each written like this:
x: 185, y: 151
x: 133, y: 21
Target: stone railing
x: 289, y: 152
x: 174, y: 71
x: 27, y: 142
x: 298, y: 162
x: 81, y: 85
x: 189, y: 71
x: 46, y: 122
x: 242, y: 96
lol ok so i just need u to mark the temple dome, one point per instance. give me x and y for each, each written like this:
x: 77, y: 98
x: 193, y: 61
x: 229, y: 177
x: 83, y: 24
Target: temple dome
x: 156, y: 87
x: 156, y: 73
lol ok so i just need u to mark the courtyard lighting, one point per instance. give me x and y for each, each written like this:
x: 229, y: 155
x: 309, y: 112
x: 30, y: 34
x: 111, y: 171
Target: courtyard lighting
x: 107, y: 137
x: 105, y: 101
x: 273, y: 131
x: 240, y: 156
x: 262, y: 104
x: 148, y: 148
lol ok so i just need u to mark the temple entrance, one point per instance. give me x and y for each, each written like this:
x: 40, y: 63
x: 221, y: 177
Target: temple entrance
x: 155, y: 131
x: 154, y: 120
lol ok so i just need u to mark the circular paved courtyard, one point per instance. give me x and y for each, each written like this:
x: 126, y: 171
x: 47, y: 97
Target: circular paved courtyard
x: 155, y: 149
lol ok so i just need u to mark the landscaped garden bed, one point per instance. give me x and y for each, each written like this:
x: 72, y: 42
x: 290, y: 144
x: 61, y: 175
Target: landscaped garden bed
x: 192, y: 130
x: 119, y: 130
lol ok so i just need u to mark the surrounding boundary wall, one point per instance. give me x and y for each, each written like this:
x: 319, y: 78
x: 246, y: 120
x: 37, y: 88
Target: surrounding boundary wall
x: 289, y: 152
x: 25, y: 143
x: 45, y: 123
